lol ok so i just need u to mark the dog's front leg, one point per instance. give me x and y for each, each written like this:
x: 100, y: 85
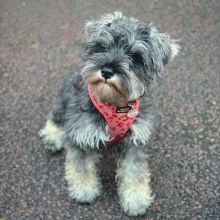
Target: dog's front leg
x: 81, y: 175
x: 134, y: 182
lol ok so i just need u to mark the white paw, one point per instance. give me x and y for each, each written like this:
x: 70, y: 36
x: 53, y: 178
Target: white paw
x: 52, y: 137
x: 135, y: 199
x: 84, y: 193
x: 83, y: 188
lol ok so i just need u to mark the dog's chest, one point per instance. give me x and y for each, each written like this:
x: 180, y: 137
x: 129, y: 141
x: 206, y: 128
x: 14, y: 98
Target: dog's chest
x: 118, y: 119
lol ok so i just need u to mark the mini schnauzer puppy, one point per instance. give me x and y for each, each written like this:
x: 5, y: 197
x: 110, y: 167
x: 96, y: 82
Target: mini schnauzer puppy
x: 109, y: 104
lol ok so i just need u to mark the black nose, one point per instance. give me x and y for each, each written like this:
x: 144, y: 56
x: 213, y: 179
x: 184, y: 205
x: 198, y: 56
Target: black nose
x: 107, y: 72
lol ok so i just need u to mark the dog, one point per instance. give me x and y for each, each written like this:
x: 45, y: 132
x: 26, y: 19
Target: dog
x: 108, y: 104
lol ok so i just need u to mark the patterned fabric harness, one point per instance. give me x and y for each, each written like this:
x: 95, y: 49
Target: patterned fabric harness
x: 119, y: 119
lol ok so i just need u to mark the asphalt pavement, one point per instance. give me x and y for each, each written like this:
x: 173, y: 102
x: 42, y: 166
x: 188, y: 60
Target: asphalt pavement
x: 40, y: 48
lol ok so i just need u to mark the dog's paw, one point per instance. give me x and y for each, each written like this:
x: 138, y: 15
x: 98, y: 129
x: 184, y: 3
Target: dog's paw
x: 85, y: 194
x: 52, y: 137
x: 135, y: 199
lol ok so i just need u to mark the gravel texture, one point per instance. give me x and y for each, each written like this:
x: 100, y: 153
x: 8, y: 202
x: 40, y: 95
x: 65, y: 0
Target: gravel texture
x: 39, y: 48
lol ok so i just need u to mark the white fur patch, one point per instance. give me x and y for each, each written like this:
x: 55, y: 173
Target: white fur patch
x: 135, y: 197
x: 174, y: 49
x: 141, y: 131
x: 90, y: 136
x: 52, y: 136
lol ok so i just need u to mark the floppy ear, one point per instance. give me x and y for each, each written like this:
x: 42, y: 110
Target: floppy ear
x: 167, y: 47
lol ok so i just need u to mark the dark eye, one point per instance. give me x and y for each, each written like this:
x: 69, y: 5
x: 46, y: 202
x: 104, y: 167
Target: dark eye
x: 99, y: 48
x: 136, y: 58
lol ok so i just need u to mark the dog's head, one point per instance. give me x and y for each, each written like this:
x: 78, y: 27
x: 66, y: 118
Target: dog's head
x: 123, y: 56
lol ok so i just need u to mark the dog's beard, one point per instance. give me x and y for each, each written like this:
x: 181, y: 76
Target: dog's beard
x: 108, y: 91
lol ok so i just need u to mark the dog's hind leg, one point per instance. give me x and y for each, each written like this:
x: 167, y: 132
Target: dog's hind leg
x: 52, y: 134
x: 81, y: 175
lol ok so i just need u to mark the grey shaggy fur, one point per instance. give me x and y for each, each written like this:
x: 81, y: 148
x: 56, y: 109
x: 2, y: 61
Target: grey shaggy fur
x: 137, y: 52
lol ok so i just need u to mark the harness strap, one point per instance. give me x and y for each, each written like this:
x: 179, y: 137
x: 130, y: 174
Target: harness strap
x: 119, y: 119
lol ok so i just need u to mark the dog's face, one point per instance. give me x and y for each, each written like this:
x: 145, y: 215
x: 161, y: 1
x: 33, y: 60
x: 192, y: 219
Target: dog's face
x: 123, y: 56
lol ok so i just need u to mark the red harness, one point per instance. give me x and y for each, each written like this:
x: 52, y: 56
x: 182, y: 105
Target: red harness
x: 119, y: 119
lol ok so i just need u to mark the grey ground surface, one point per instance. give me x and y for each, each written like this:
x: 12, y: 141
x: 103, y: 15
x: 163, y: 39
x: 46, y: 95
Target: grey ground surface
x: 39, y: 48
